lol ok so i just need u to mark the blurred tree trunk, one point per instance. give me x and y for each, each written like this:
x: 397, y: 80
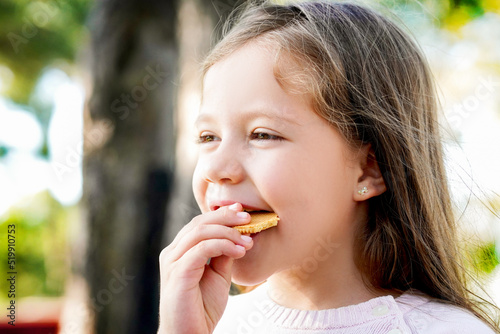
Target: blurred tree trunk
x: 129, y: 158
x: 135, y: 203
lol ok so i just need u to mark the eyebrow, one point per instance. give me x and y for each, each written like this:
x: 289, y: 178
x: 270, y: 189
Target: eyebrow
x: 251, y: 114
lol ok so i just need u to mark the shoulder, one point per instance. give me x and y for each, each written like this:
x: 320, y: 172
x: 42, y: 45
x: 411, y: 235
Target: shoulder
x: 424, y: 315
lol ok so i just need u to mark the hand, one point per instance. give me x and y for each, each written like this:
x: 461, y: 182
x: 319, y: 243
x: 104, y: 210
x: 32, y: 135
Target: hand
x: 193, y: 293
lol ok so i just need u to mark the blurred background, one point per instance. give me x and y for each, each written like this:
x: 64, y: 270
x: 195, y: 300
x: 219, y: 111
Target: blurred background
x: 97, y: 98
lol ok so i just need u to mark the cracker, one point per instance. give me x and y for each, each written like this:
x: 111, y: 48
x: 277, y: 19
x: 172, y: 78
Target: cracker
x: 260, y: 221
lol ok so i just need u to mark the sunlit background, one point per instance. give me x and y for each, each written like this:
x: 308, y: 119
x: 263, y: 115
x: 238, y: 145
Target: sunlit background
x: 44, y: 92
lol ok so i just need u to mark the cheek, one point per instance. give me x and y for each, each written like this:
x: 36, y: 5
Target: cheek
x: 308, y: 180
x: 312, y: 195
x: 199, y: 186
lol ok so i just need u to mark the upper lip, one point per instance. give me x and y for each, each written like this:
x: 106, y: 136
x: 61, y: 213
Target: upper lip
x: 214, y: 205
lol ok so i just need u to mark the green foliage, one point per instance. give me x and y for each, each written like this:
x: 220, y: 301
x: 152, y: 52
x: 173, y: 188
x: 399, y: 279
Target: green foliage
x: 41, y: 247
x: 447, y: 14
x: 457, y: 13
x: 484, y: 257
x: 35, y: 34
x: 3, y: 151
x: 44, y: 150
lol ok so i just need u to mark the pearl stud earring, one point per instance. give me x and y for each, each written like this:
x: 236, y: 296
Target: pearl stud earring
x: 363, y: 191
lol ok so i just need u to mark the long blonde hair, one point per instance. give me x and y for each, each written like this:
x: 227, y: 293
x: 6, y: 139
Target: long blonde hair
x: 369, y: 79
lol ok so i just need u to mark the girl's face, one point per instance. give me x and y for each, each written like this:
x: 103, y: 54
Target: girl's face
x: 268, y: 150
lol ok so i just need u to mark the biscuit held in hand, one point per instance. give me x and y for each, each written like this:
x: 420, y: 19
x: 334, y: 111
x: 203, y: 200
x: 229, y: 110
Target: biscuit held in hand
x: 260, y: 221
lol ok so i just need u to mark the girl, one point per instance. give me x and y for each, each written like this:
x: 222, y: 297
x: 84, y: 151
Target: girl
x: 324, y: 113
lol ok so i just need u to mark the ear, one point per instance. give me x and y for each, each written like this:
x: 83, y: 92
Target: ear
x: 369, y: 182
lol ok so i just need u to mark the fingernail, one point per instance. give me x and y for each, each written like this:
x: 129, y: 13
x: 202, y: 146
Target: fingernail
x: 242, y: 214
x: 240, y: 248
x: 234, y: 206
x: 246, y: 239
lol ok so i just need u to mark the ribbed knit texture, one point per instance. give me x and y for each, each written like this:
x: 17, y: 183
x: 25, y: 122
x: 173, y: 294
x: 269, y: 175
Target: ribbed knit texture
x: 256, y: 313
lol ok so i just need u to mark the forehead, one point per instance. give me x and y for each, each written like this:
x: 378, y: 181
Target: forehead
x: 242, y: 66
x: 247, y: 77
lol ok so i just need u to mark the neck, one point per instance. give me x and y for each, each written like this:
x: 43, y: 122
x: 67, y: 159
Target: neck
x: 328, y: 286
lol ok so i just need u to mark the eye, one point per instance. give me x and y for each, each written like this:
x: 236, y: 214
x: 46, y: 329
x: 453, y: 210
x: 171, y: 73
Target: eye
x: 206, y: 138
x: 264, y: 136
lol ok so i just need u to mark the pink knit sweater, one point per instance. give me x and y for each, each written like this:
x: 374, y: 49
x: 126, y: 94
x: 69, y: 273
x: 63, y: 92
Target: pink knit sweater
x: 256, y: 313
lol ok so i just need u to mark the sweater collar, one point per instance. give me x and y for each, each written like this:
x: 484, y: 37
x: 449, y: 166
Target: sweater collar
x: 375, y: 309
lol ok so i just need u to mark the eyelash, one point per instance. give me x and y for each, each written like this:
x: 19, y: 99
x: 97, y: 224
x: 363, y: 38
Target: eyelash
x: 204, y: 139
x: 254, y: 136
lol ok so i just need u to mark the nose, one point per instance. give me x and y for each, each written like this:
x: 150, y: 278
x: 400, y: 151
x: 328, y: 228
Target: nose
x: 223, y: 165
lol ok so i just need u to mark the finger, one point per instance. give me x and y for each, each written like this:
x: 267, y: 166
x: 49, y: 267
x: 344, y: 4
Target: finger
x: 194, y: 260
x: 231, y: 215
x: 222, y: 266
x: 205, y: 232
